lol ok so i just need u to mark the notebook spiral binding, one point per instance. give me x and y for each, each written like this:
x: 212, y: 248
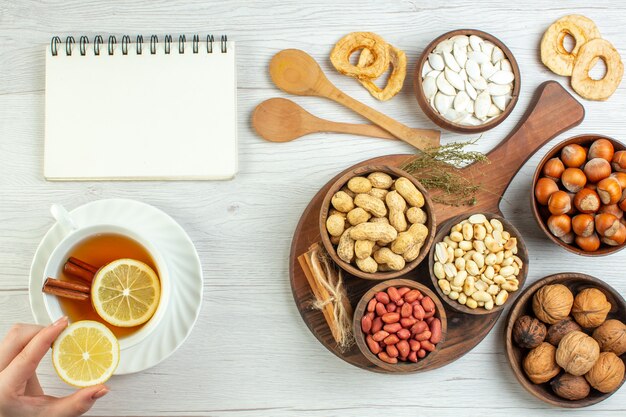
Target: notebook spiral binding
x: 83, y: 42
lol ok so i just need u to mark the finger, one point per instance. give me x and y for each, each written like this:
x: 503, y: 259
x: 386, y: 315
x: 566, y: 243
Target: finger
x: 78, y: 403
x: 15, y: 340
x: 23, y: 366
x: 33, y: 387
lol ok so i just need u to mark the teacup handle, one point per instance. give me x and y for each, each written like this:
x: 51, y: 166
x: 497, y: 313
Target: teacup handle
x: 61, y: 215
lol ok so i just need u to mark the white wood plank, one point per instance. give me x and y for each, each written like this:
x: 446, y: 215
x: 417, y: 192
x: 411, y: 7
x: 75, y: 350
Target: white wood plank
x: 251, y: 354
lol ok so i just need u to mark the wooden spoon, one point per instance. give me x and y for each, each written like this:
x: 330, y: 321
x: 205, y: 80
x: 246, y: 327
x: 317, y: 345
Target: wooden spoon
x: 296, y: 72
x: 282, y: 120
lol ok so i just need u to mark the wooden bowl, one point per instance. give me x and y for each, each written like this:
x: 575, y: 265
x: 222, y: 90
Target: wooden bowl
x: 400, y: 367
x: 434, y: 115
x: 522, y: 253
x: 541, y: 213
x: 523, y: 306
x: 364, y: 171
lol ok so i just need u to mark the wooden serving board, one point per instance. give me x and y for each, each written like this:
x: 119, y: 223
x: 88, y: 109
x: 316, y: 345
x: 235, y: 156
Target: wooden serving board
x: 552, y: 112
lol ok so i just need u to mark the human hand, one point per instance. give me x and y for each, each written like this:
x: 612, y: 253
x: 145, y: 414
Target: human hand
x: 20, y: 393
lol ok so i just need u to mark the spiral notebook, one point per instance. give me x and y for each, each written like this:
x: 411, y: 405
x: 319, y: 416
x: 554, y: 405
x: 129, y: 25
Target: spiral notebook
x: 129, y: 109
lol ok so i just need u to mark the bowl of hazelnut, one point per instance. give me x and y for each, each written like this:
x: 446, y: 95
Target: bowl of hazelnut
x: 579, y: 195
x: 565, y: 340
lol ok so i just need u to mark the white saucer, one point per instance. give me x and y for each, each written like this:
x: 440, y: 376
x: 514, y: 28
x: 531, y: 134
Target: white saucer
x: 182, y: 261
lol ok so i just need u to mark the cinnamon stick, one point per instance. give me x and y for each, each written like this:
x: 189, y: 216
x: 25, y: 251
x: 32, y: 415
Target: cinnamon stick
x: 80, y: 269
x: 83, y: 265
x: 72, y: 290
x: 74, y: 286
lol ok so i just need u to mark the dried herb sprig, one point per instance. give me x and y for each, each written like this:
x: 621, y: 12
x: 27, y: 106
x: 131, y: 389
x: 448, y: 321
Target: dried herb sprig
x: 439, y: 168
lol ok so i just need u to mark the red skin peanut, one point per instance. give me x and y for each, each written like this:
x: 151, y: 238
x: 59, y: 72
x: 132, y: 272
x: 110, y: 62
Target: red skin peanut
x: 385, y: 358
x: 415, y: 345
x: 392, y: 328
x: 382, y: 297
x: 435, y: 329
x: 403, y: 290
x: 406, y: 310
x: 391, y: 318
x: 371, y: 306
x: 377, y: 324
x: 404, y: 334
x: 366, y: 324
x: 371, y: 343
x: 403, y: 348
x: 394, y: 295
x: 418, y: 312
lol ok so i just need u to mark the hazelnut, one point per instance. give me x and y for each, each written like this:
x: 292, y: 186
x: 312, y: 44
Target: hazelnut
x: 552, y: 303
x: 609, y: 190
x: 573, y: 155
x: 607, y: 373
x: 590, y: 307
x: 568, y: 238
x: 577, y: 353
x: 559, y: 203
x: 553, y: 169
x: 621, y: 178
x: 601, y: 148
x: 540, y: 364
x: 560, y: 225
x: 597, y: 169
x: 528, y: 332
x: 583, y: 225
x: 618, y: 238
x: 612, y: 209
x: 570, y: 387
x: 589, y: 243
x: 544, y: 189
x: 619, y: 161
x: 611, y: 336
x: 587, y: 201
x: 573, y: 179
x: 558, y: 330
x: 607, y: 224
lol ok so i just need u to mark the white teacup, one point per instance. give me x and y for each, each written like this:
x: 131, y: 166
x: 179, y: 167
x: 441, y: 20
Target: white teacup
x: 75, y: 235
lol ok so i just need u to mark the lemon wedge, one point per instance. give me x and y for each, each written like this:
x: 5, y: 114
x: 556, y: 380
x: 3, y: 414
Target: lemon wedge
x: 125, y: 292
x: 86, y: 353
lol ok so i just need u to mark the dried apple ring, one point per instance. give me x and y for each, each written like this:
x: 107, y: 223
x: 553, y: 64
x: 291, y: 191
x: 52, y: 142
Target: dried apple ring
x: 340, y: 55
x: 553, y: 53
x: 397, y: 59
x: 586, y: 86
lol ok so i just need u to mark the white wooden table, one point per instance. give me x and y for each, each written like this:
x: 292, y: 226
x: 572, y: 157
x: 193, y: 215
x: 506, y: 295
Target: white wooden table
x: 250, y: 353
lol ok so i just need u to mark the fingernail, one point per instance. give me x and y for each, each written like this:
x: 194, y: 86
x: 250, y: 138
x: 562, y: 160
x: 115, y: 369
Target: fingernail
x: 100, y: 394
x: 62, y: 320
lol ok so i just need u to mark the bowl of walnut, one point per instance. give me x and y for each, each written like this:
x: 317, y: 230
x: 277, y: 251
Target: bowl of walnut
x: 566, y: 340
x: 377, y: 222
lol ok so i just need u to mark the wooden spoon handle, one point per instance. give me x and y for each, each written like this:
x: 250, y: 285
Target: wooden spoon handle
x: 372, y: 131
x: 421, y: 139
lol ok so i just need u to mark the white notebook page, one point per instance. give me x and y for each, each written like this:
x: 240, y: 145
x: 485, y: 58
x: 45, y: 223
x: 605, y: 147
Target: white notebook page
x: 148, y: 116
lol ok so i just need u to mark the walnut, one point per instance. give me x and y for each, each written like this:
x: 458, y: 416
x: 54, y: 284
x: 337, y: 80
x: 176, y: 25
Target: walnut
x: 560, y: 329
x: 540, y: 365
x: 590, y: 307
x: 570, y: 387
x: 528, y: 332
x: 611, y: 336
x: 607, y: 373
x: 552, y: 303
x: 577, y: 353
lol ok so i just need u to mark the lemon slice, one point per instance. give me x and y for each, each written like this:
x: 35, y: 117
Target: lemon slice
x: 125, y: 293
x: 85, y: 354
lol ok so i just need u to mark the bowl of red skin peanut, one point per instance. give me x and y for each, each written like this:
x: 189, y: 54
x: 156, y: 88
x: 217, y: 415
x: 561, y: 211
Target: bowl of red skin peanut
x: 399, y: 326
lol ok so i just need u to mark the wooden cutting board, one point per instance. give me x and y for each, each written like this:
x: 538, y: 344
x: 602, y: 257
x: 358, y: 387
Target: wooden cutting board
x: 552, y: 111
